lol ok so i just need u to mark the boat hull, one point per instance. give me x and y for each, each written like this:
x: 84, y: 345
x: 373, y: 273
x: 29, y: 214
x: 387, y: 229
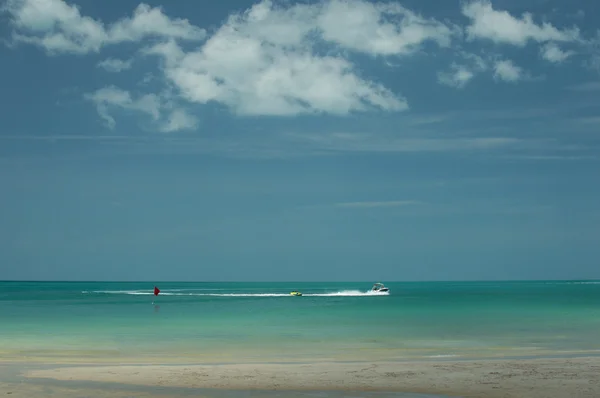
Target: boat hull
x: 382, y: 290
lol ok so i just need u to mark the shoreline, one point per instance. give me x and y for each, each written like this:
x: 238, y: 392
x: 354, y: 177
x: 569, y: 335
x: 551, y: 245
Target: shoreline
x: 492, y: 378
x: 79, y: 359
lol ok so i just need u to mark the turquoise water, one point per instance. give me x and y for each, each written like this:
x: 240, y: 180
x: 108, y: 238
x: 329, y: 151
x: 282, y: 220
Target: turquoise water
x: 235, y: 322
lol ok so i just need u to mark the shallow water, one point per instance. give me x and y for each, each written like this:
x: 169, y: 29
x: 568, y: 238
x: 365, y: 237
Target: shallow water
x: 237, y: 322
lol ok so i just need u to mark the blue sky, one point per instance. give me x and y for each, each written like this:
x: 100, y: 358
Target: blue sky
x: 331, y: 140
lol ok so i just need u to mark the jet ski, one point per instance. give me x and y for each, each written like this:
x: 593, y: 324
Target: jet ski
x: 378, y: 287
x: 296, y: 294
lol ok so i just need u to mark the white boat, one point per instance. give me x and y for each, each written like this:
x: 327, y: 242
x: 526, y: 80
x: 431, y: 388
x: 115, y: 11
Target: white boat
x: 378, y: 287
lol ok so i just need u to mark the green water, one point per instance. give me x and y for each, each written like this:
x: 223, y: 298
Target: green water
x: 234, y: 322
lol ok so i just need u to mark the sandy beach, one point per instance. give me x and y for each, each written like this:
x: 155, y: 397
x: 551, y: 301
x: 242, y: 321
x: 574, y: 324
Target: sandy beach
x: 543, y: 378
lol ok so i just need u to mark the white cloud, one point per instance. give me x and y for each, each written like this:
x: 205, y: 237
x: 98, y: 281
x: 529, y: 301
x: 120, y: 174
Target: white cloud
x: 461, y: 74
x: 262, y: 62
x: 59, y: 27
x: 552, y: 53
x: 112, y: 96
x: 379, y: 28
x: 115, y: 65
x: 169, y: 50
x: 149, y: 21
x: 458, y: 77
x: 179, y: 120
x: 501, y: 27
x: 152, y: 105
x: 279, y: 58
x: 506, y: 70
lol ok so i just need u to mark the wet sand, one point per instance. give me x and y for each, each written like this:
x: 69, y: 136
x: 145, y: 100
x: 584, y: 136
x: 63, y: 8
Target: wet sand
x: 532, y: 378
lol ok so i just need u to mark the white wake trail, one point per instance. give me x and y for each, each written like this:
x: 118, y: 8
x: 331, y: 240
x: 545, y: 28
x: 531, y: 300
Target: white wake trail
x: 179, y: 292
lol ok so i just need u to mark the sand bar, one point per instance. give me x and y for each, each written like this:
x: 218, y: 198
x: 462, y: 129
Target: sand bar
x: 533, y: 378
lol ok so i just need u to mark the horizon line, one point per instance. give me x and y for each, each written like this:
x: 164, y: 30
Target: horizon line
x: 297, y: 281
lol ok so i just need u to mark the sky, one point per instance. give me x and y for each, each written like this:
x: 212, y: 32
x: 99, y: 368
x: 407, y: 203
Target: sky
x: 299, y: 141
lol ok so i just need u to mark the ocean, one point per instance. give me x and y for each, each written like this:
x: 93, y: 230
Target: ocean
x: 78, y: 322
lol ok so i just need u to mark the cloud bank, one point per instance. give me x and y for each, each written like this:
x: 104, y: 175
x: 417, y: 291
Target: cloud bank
x: 282, y: 59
